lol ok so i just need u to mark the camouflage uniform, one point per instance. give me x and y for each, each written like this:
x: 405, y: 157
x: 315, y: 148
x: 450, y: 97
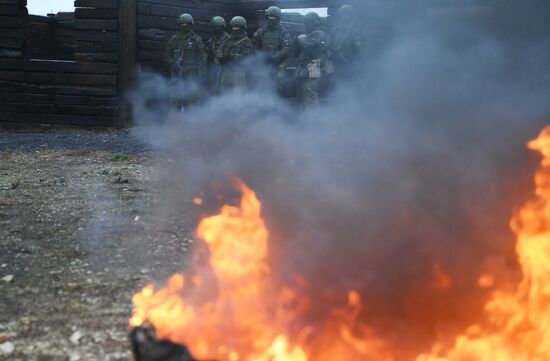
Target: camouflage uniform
x: 311, y: 58
x: 275, y: 41
x: 232, y: 51
x: 185, y: 53
x: 345, y: 43
x: 213, y: 45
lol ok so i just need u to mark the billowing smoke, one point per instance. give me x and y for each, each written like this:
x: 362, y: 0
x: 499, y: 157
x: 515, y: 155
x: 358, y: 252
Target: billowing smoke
x: 402, y: 183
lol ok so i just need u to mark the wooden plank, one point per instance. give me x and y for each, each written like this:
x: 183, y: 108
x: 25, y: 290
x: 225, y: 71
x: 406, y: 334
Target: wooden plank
x: 57, y: 119
x: 151, y: 45
x: 92, y: 57
x: 152, y: 34
x: 96, y: 47
x: 127, y: 61
x: 14, y: 2
x: 83, y: 24
x: 58, y: 78
x: 57, y: 66
x: 7, y: 53
x: 85, y: 13
x: 12, y: 34
x: 15, y: 86
x: 99, y: 36
x: 52, y: 98
x: 11, y: 43
x: 284, y: 4
x: 98, y: 4
x: 150, y: 55
x: 57, y: 109
x: 11, y: 22
x: 13, y: 10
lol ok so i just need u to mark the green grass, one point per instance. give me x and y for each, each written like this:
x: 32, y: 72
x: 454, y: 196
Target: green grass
x: 119, y: 157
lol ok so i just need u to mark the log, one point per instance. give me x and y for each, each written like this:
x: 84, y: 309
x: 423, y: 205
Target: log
x: 13, y: 10
x: 96, y: 47
x: 98, y: 4
x: 8, y: 22
x: 57, y: 119
x: 8, y: 97
x: 57, y: 109
x: 56, y: 78
x: 7, y: 53
x: 96, y: 57
x: 14, y: 2
x: 95, y: 36
x: 57, y: 66
x: 82, y: 24
x: 11, y: 86
x: 85, y: 13
x: 11, y: 43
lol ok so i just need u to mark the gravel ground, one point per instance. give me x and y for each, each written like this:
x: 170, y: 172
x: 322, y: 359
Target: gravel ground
x: 81, y: 230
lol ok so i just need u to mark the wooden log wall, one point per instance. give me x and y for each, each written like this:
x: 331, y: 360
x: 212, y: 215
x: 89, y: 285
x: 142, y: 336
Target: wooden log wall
x: 96, y: 35
x: 68, y: 93
x: 51, y: 37
x: 156, y: 22
x: 13, y: 24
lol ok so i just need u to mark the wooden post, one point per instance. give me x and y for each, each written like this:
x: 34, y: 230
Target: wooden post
x: 127, y: 41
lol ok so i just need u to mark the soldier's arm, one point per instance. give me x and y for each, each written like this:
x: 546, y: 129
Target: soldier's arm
x: 285, y: 48
x: 256, y: 38
x: 249, y: 48
x: 201, y: 55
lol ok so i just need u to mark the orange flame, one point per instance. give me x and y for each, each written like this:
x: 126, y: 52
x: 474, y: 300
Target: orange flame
x: 518, y: 327
x: 235, y: 310
x: 248, y: 318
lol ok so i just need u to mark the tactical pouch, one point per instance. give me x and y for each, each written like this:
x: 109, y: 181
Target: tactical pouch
x: 314, y: 69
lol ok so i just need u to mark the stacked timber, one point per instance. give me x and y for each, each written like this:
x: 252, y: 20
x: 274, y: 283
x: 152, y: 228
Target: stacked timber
x: 56, y: 92
x: 96, y: 30
x: 51, y: 37
x: 157, y: 22
x: 13, y: 24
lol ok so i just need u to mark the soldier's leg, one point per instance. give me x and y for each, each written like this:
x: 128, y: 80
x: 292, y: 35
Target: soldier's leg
x: 310, y: 94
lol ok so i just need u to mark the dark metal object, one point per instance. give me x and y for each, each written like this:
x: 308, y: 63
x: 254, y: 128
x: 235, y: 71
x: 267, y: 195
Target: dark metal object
x: 147, y: 346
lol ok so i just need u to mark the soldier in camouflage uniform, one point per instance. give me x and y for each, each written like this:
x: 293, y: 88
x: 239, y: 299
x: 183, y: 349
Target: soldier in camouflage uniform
x: 345, y: 43
x: 218, y: 26
x: 185, y: 53
x: 312, y: 54
x: 274, y: 40
x: 232, y: 52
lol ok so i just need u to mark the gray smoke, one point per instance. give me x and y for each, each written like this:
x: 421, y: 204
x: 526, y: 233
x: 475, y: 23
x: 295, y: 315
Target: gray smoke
x: 414, y: 167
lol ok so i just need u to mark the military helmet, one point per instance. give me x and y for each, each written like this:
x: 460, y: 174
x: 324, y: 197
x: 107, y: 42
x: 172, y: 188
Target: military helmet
x: 312, y: 18
x: 346, y: 10
x: 238, y: 22
x: 217, y: 21
x: 185, y: 19
x: 273, y: 11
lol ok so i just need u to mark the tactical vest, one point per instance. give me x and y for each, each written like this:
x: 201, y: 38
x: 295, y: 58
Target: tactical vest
x: 271, y: 40
x: 185, y: 50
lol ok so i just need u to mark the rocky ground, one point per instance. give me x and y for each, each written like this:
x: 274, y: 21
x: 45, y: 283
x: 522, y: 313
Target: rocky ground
x: 81, y: 230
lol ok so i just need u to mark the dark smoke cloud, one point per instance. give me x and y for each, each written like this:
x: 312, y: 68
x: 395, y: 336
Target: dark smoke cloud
x: 412, y: 170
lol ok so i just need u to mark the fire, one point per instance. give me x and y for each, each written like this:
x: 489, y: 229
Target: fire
x: 234, y: 308
x: 518, y: 323
x: 236, y: 311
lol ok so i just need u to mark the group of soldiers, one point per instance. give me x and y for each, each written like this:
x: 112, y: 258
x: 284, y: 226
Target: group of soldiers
x: 311, y: 58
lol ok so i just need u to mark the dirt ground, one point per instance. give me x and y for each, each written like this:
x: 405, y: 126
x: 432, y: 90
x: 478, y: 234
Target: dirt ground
x: 80, y: 232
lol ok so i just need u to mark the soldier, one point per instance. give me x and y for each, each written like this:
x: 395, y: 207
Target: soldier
x: 232, y: 51
x: 218, y: 26
x: 273, y: 38
x: 345, y: 42
x: 312, y: 53
x: 185, y: 53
